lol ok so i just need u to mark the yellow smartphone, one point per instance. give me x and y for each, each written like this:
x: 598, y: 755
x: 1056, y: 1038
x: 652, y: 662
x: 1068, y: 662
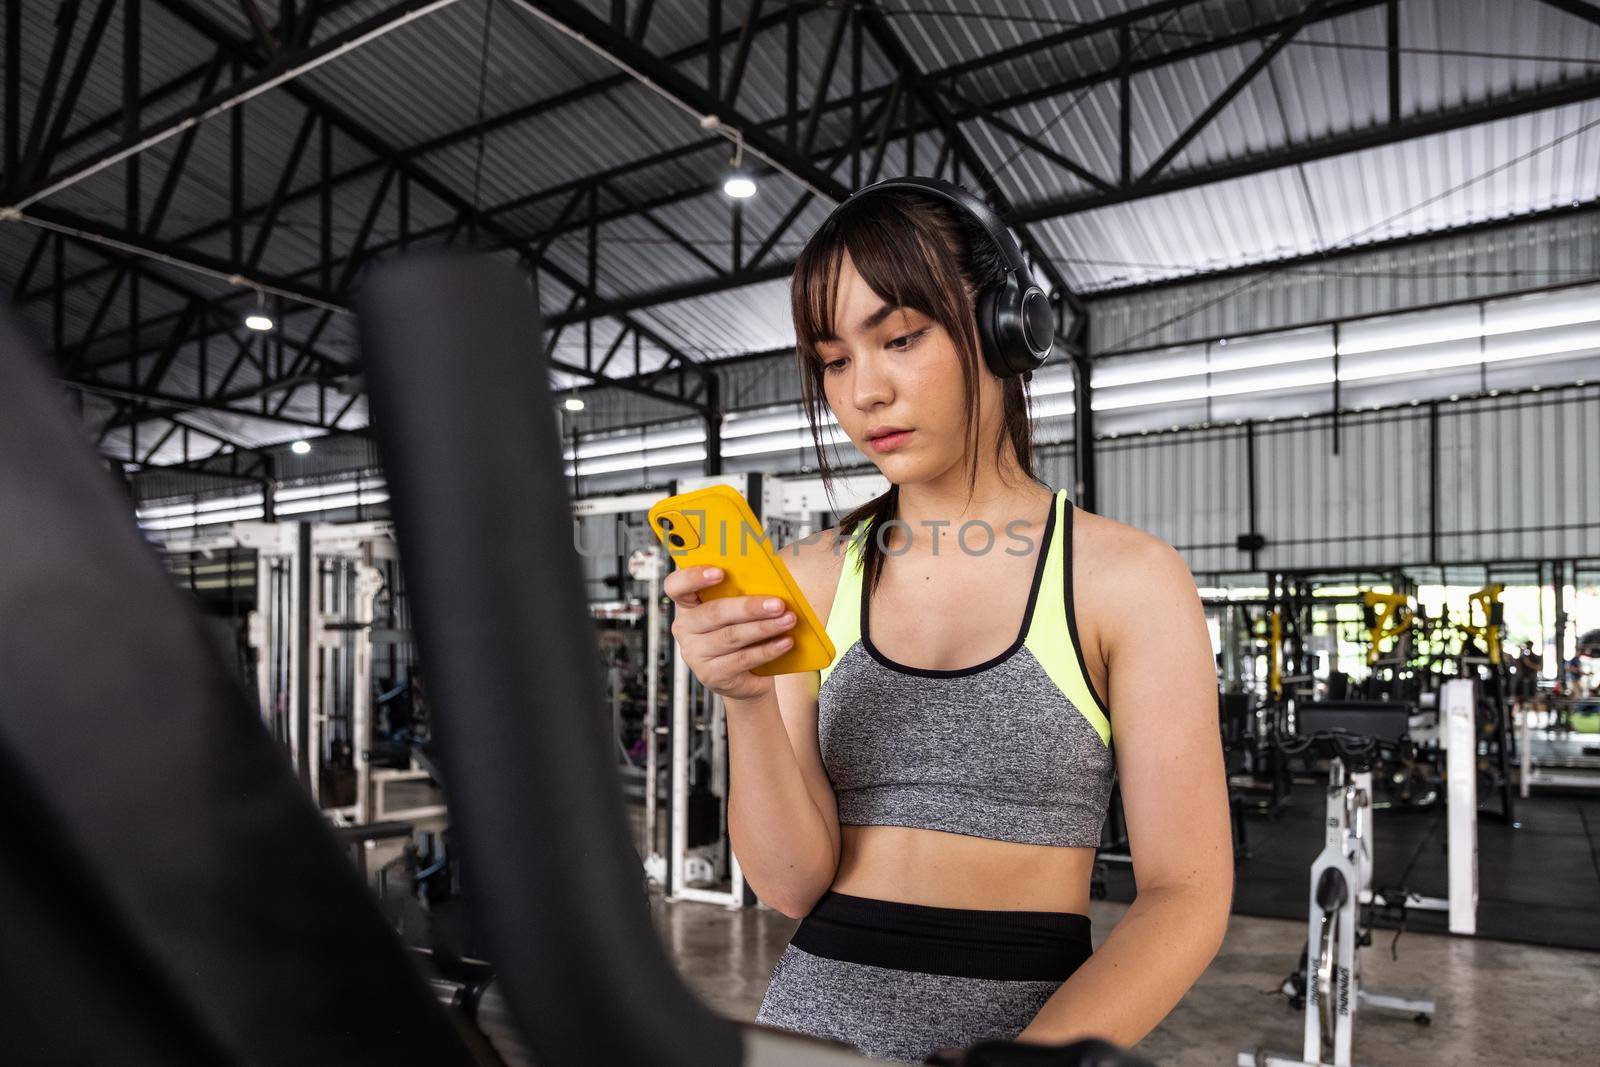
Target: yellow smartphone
x: 714, y: 527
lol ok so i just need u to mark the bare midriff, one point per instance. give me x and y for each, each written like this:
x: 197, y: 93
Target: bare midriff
x: 946, y: 870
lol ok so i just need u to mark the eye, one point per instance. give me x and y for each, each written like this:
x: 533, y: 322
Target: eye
x: 833, y: 367
x: 909, y: 339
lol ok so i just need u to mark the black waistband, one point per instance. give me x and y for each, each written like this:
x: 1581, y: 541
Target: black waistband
x: 962, y: 942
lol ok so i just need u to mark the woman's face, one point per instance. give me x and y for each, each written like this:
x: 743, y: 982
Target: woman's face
x: 896, y: 367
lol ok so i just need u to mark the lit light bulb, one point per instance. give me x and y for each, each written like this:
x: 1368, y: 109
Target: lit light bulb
x: 258, y: 321
x: 573, y: 403
x: 739, y: 187
x: 300, y: 447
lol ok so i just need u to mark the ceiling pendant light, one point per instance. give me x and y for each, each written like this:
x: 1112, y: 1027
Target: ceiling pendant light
x: 740, y: 184
x: 258, y: 319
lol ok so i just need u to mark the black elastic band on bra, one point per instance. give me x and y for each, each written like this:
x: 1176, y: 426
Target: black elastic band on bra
x: 1040, y: 559
x: 960, y: 942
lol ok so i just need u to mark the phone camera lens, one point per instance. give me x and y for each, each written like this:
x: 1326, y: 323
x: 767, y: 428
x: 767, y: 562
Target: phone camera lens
x: 676, y: 540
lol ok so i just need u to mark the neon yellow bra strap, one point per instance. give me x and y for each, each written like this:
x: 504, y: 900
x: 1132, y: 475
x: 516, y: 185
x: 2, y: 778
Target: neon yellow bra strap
x: 1050, y: 636
x: 844, y: 617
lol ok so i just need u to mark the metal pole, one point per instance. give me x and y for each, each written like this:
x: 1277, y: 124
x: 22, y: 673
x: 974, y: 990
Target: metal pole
x: 679, y: 779
x: 368, y: 582
x: 652, y: 689
x: 300, y: 666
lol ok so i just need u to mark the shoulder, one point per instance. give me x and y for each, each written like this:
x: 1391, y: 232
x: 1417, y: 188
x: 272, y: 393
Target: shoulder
x: 1122, y: 574
x: 816, y: 561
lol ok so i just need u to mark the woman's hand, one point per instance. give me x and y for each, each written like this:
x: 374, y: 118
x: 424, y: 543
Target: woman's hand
x: 723, y: 639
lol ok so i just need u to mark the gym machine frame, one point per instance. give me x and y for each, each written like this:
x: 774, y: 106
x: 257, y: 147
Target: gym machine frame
x: 287, y: 632
x: 352, y: 629
x: 1333, y: 993
x: 785, y: 509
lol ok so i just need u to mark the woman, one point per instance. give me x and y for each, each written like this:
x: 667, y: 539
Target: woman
x: 931, y: 802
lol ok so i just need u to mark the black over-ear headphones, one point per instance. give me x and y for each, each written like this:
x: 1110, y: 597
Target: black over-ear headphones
x: 1015, y: 322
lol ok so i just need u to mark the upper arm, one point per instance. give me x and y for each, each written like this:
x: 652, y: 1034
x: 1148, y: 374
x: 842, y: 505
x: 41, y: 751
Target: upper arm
x: 1163, y: 698
x: 809, y: 562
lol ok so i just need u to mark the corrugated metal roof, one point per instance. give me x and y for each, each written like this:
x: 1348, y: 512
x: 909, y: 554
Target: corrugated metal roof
x: 752, y: 319
x: 421, y: 83
x: 1430, y: 184
x: 1501, y: 259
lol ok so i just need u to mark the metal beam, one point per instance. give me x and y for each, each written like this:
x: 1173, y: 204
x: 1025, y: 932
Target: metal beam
x: 577, y: 22
x: 335, y: 45
x: 13, y: 76
x: 154, y: 248
x: 182, y: 9
x: 742, y: 55
x: 66, y: 20
x: 1291, y: 264
x: 1578, y: 9
x: 1244, y: 78
x: 223, y: 323
x: 208, y: 465
x: 917, y: 126
x: 407, y: 168
x: 637, y: 301
x: 894, y: 50
x: 41, y: 157
x: 1385, y: 133
x: 430, y: 147
x: 631, y: 385
x: 1354, y: 141
x: 241, y: 51
x: 171, y: 404
x: 353, y: 262
x: 1023, y: 137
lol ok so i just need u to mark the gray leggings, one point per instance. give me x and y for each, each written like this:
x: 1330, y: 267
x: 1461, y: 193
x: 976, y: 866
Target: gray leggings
x: 899, y: 981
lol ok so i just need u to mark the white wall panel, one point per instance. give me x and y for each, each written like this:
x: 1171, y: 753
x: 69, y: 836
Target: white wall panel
x: 1518, y: 478
x: 1365, y: 505
x: 1189, y: 489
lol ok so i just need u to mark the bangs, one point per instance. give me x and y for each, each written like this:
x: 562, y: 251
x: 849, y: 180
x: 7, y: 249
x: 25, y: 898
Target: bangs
x: 816, y: 282
x: 903, y: 266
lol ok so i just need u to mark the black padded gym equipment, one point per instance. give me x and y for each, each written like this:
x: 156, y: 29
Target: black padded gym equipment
x: 1015, y: 322
x: 484, y: 523
x: 168, y: 891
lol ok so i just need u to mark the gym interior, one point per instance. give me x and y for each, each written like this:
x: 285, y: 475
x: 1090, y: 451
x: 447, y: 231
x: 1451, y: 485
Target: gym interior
x: 1325, y: 285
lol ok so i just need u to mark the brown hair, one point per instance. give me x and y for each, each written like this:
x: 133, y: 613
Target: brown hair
x: 915, y: 251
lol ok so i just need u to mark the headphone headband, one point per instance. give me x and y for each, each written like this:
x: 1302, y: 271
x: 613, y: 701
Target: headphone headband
x: 952, y: 193
x: 1014, y: 319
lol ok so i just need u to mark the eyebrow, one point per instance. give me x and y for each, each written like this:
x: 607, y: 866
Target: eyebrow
x: 871, y: 321
x: 877, y: 316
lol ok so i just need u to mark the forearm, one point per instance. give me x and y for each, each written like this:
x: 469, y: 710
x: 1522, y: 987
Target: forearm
x: 775, y: 828
x: 1163, y: 944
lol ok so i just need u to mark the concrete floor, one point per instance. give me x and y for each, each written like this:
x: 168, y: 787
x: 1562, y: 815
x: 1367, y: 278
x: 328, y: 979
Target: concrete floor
x: 1498, y: 1003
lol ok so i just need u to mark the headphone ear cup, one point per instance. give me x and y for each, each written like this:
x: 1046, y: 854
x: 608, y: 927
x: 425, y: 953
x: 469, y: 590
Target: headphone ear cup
x: 1013, y: 355
x: 988, y: 336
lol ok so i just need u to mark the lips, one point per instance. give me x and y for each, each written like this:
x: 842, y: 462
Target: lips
x: 888, y: 442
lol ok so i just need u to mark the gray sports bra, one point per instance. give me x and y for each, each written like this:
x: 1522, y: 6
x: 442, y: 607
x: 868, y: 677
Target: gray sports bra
x: 1017, y: 748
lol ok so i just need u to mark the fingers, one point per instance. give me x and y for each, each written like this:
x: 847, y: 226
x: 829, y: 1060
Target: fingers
x: 722, y: 672
x: 729, y: 639
x: 684, y: 586
x: 719, y: 612
x: 724, y: 638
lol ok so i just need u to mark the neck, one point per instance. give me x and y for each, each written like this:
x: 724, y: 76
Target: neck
x: 944, y: 499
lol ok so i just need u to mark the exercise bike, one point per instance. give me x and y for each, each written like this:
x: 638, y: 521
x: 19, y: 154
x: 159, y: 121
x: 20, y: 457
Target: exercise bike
x: 1328, y: 983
